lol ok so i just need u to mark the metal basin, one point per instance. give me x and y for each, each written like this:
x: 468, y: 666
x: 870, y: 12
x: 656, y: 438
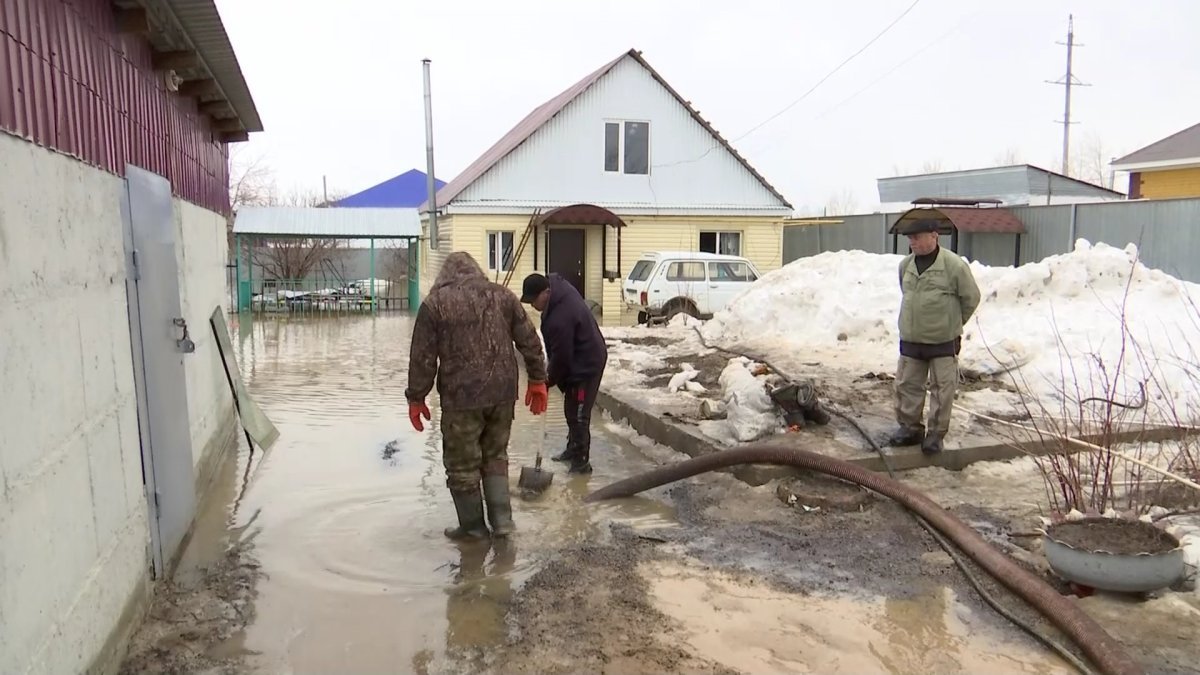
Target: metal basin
x: 1122, y: 573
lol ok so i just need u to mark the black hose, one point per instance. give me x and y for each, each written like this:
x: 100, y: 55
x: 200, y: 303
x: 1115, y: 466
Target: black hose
x: 1103, y: 650
x: 991, y: 600
x: 1066, y: 654
x: 1090, y: 636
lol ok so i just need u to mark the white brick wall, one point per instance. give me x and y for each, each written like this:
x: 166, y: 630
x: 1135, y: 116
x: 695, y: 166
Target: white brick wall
x: 74, y: 534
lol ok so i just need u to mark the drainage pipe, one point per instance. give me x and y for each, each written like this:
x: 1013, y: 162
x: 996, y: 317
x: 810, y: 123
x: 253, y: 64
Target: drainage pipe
x: 1096, y: 643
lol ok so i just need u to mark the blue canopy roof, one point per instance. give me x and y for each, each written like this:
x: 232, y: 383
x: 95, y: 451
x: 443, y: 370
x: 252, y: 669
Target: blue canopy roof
x: 408, y: 190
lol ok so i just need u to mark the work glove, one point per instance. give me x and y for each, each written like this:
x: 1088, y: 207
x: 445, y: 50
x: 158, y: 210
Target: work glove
x: 536, y: 397
x: 417, y: 410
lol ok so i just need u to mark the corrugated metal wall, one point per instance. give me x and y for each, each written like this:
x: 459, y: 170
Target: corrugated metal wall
x: 1167, y: 233
x: 70, y: 82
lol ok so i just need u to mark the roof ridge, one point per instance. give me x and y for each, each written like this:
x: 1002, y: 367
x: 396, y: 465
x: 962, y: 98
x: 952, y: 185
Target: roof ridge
x: 1151, y: 149
x: 539, y: 116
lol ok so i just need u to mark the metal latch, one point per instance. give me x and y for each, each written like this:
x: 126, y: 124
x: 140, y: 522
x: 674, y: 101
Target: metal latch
x: 184, y: 344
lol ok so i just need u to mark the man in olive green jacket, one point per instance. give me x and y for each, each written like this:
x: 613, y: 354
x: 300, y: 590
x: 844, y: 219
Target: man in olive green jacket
x: 939, y: 296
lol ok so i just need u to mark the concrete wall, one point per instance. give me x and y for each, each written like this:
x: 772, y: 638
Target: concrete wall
x: 74, y: 534
x: 202, y: 253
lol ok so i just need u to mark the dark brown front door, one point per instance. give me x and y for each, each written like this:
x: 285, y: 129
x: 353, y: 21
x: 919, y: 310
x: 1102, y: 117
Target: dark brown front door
x: 565, y: 250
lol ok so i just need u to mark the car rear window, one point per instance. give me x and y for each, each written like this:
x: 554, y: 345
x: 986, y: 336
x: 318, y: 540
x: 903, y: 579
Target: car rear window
x: 686, y: 271
x: 641, y: 271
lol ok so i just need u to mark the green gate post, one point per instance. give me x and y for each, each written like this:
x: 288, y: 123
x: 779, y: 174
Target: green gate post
x: 414, y: 274
x: 243, y: 287
x: 372, y: 275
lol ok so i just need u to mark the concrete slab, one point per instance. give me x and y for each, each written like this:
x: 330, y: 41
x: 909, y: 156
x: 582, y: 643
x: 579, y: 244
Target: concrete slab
x: 674, y: 426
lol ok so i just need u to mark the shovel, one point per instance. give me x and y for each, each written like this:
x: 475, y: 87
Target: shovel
x: 535, y: 479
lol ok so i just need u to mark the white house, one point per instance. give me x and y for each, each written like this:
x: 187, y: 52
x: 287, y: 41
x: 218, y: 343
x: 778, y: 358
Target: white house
x: 616, y: 165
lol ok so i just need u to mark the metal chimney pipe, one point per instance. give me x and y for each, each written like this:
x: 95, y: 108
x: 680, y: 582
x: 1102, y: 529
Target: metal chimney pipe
x: 430, y: 183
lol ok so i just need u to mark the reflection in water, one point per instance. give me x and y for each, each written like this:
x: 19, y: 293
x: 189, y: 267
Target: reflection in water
x: 755, y: 629
x: 347, y: 508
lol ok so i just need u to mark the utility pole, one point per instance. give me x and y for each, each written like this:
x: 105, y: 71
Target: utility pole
x: 1068, y: 81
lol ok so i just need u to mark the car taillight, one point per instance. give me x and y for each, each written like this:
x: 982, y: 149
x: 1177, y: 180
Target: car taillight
x: 644, y: 297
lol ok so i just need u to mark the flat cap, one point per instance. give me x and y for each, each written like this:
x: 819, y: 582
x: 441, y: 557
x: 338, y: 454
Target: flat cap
x: 919, y: 226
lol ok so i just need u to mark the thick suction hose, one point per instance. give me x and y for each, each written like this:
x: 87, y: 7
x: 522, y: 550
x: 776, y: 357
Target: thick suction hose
x: 1096, y: 643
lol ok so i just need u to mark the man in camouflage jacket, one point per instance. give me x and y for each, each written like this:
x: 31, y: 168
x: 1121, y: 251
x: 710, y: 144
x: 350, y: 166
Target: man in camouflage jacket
x: 463, y: 337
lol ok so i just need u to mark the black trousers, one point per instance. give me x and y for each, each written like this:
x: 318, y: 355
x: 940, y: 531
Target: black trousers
x: 578, y: 400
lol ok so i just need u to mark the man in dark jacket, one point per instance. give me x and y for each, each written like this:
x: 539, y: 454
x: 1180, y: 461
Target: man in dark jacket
x: 463, y: 337
x: 576, y: 356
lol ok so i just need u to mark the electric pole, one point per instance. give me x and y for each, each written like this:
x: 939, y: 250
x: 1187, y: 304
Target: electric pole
x: 1068, y: 81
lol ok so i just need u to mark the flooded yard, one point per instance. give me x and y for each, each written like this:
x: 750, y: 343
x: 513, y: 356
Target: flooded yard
x: 326, y: 554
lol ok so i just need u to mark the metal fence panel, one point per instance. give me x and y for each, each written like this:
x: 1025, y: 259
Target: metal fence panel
x: 1167, y: 233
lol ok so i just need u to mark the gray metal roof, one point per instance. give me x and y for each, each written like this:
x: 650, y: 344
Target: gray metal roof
x: 332, y: 223
x: 1183, y: 145
x: 999, y: 182
x: 201, y: 24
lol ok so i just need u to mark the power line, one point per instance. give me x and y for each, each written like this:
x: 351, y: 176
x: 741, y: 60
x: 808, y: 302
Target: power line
x: 831, y: 73
x: 807, y: 93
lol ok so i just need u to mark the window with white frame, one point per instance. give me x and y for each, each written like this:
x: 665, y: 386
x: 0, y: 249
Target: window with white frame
x: 725, y: 243
x: 500, y: 251
x: 627, y: 147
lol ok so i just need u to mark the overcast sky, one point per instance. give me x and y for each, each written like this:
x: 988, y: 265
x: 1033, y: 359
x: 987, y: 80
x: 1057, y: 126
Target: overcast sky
x: 955, y: 84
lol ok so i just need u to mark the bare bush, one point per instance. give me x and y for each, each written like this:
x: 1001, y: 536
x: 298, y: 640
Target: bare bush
x: 1098, y: 402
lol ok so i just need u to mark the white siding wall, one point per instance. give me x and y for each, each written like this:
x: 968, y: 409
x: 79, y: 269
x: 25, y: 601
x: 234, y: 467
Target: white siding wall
x: 74, y: 533
x: 563, y: 162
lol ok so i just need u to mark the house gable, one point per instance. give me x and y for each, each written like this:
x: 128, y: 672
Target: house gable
x: 557, y: 155
x: 1179, y: 150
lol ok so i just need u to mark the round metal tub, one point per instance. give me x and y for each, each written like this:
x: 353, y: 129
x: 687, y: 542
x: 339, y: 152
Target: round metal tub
x: 1118, y: 572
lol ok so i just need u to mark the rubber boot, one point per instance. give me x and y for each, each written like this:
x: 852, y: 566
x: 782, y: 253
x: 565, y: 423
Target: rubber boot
x: 932, y: 444
x: 499, y: 506
x: 566, y: 455
x: 813, y: 412
x: 907, y: 436
x: 469, y: 506
x: 581, y: 463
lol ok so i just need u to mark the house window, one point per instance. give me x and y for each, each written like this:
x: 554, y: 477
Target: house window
x: 627, y: 147
x: 686, y: 271
x: 500, y: 251
x: 725, y: 243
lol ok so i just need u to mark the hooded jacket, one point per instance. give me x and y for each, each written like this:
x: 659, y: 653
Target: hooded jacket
x: 464, y: 336
x: 575, y: 347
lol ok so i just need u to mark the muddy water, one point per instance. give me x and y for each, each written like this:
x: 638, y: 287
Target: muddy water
x: 346, y: 511
x: 757, y: 630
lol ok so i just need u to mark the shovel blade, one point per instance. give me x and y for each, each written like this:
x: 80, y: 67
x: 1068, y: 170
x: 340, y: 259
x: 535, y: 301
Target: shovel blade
x: 534, y: 479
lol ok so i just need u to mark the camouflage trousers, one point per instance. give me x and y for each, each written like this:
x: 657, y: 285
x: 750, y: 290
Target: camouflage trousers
x: 475, y: 444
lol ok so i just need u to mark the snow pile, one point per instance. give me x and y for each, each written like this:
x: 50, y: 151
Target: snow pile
x: 685, y: 379
x: 750, y: 412
x: 844, y: 306
x: 684, y: 321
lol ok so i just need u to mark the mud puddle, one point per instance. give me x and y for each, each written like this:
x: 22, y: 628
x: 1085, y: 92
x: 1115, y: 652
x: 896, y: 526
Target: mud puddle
x: 753, y: 628
x: 345, y: 514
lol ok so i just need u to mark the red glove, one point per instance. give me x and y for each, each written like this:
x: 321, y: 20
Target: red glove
x: 536, y: 397
x: 417, y: 410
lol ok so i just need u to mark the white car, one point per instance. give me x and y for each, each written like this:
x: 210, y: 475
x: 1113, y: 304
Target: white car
x: 662, y: 284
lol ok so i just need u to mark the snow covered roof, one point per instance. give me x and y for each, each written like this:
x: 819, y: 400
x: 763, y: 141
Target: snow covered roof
x: 332, y: 223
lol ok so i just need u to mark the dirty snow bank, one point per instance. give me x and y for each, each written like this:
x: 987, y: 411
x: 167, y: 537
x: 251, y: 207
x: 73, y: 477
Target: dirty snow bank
x: 843, y: 306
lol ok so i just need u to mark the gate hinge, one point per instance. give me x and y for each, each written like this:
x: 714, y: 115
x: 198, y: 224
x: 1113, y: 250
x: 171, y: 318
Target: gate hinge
x: 137, y: 268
